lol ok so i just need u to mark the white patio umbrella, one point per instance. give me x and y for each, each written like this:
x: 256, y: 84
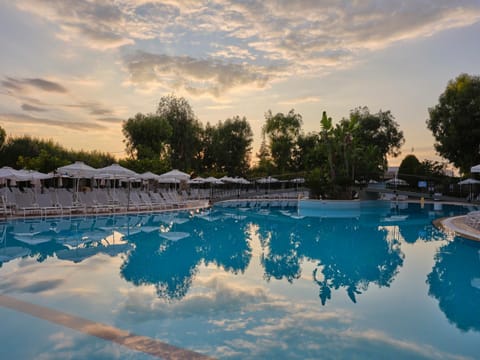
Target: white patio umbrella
x: 469, y: 182
x: 396, y: 181
x: 8, y: 173
x: 227, y: 179
x: 213, y: 180
x: 197, y: 180
x: 268, y: 180
x: 241, y: 180
x: 475, y: 169
x: 116, y: 172
x: 175, y: 174
x: 149, y: 176
x: 77, y: 170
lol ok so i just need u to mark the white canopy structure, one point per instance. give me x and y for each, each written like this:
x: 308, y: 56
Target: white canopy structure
x: 213, y: 180
x: 116, y: 171
x: 475, y: 169
x: 197, y: 180
x: 267, y: 180
x: 396, y: 181
x: 175, y: 174
x: 469, y: 182
x: 77, y: 170
x: 9, y: 173
x: 149, y: 176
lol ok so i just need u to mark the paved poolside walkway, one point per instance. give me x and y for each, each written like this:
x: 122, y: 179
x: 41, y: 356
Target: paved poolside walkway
x: 125, y: 338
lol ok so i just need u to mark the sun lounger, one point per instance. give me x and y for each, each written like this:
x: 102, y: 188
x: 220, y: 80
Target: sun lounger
x: 26, y: 204
x: 65, y: 201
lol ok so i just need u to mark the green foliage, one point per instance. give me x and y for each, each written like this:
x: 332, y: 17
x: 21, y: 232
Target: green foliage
x: 282, y: 132
x: 185, y: 140
x: 3, y: 136
x: 45, y: 155
x: 410, y: 170
x: 157, y: 166
x: 318, y: 183
x: 146, y: 136
x: 379, y: 129
x: 455, y: 122
x: 354, y: 149
x: 227, y: 146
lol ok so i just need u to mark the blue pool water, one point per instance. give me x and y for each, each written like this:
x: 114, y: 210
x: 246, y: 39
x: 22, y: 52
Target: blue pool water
x: 245, y: 283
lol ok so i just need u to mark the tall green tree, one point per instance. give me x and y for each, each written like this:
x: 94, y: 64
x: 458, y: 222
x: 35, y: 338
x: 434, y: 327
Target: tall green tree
x: 185, y: 140
x: 147, y: 136
x: 228, y: 146
x: 282, y: 133
x: 410, y: 170
x: 455, y: 122
x: 3, y: 136
x: 379, y: 129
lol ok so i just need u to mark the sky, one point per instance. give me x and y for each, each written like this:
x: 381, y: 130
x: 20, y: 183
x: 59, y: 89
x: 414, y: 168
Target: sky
x: 74, y: 70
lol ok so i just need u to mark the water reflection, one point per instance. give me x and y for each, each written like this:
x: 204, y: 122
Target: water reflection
x: 170, y: 265
x: 166, y: 250
x: 455, y: 283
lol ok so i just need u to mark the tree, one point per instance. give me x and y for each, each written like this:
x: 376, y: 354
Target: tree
x: 227, y: 146
x: 3, y: 136
x: 185, y: 140
x: 146, y: 136
x: 379, y: 129
x: 455, y: 122
x: 410, y: 170
x: 282, y: 132
x: 46, y: 155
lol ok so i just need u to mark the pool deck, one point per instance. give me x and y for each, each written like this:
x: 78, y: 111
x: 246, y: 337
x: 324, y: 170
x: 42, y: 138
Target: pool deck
x: 457, y: 226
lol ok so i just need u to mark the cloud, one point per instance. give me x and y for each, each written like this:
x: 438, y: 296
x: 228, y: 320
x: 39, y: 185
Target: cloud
x: 255, y: 42
x: 300, y: 100
x: 113, y: 120
x: 28, y: 107
x: 21, y: 85
x: 196, y: 76
x: 30, y: 120
x: 92, y: 107
x: 252, y: 322
x: 22, y: 284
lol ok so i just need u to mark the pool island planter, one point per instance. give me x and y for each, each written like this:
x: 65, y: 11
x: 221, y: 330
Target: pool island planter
x: 341, y: 208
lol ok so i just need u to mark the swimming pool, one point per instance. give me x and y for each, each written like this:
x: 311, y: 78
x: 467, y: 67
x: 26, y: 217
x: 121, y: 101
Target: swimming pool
x: 239, y: 283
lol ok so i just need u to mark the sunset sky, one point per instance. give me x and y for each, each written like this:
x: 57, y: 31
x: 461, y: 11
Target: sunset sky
x: 73, y: 70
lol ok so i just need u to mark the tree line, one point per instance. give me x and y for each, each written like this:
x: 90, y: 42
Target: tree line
x: 336, y: 156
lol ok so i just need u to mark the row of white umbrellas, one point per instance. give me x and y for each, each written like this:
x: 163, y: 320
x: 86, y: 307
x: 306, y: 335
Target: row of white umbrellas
x: 79, y: 169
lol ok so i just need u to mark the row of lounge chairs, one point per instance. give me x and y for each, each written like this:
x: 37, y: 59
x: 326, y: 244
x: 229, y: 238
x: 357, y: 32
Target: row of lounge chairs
x: 60, y: 201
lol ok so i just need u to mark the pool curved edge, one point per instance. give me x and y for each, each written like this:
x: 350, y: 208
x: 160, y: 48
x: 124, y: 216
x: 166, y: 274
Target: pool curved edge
x: 457, y: 226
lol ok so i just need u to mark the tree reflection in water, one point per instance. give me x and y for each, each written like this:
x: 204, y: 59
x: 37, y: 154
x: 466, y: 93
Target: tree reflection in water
x: 172, y: 265
x: 280, y: 241
x: 352, y: 256
x: 455, y: 283
x: 349, y: 254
